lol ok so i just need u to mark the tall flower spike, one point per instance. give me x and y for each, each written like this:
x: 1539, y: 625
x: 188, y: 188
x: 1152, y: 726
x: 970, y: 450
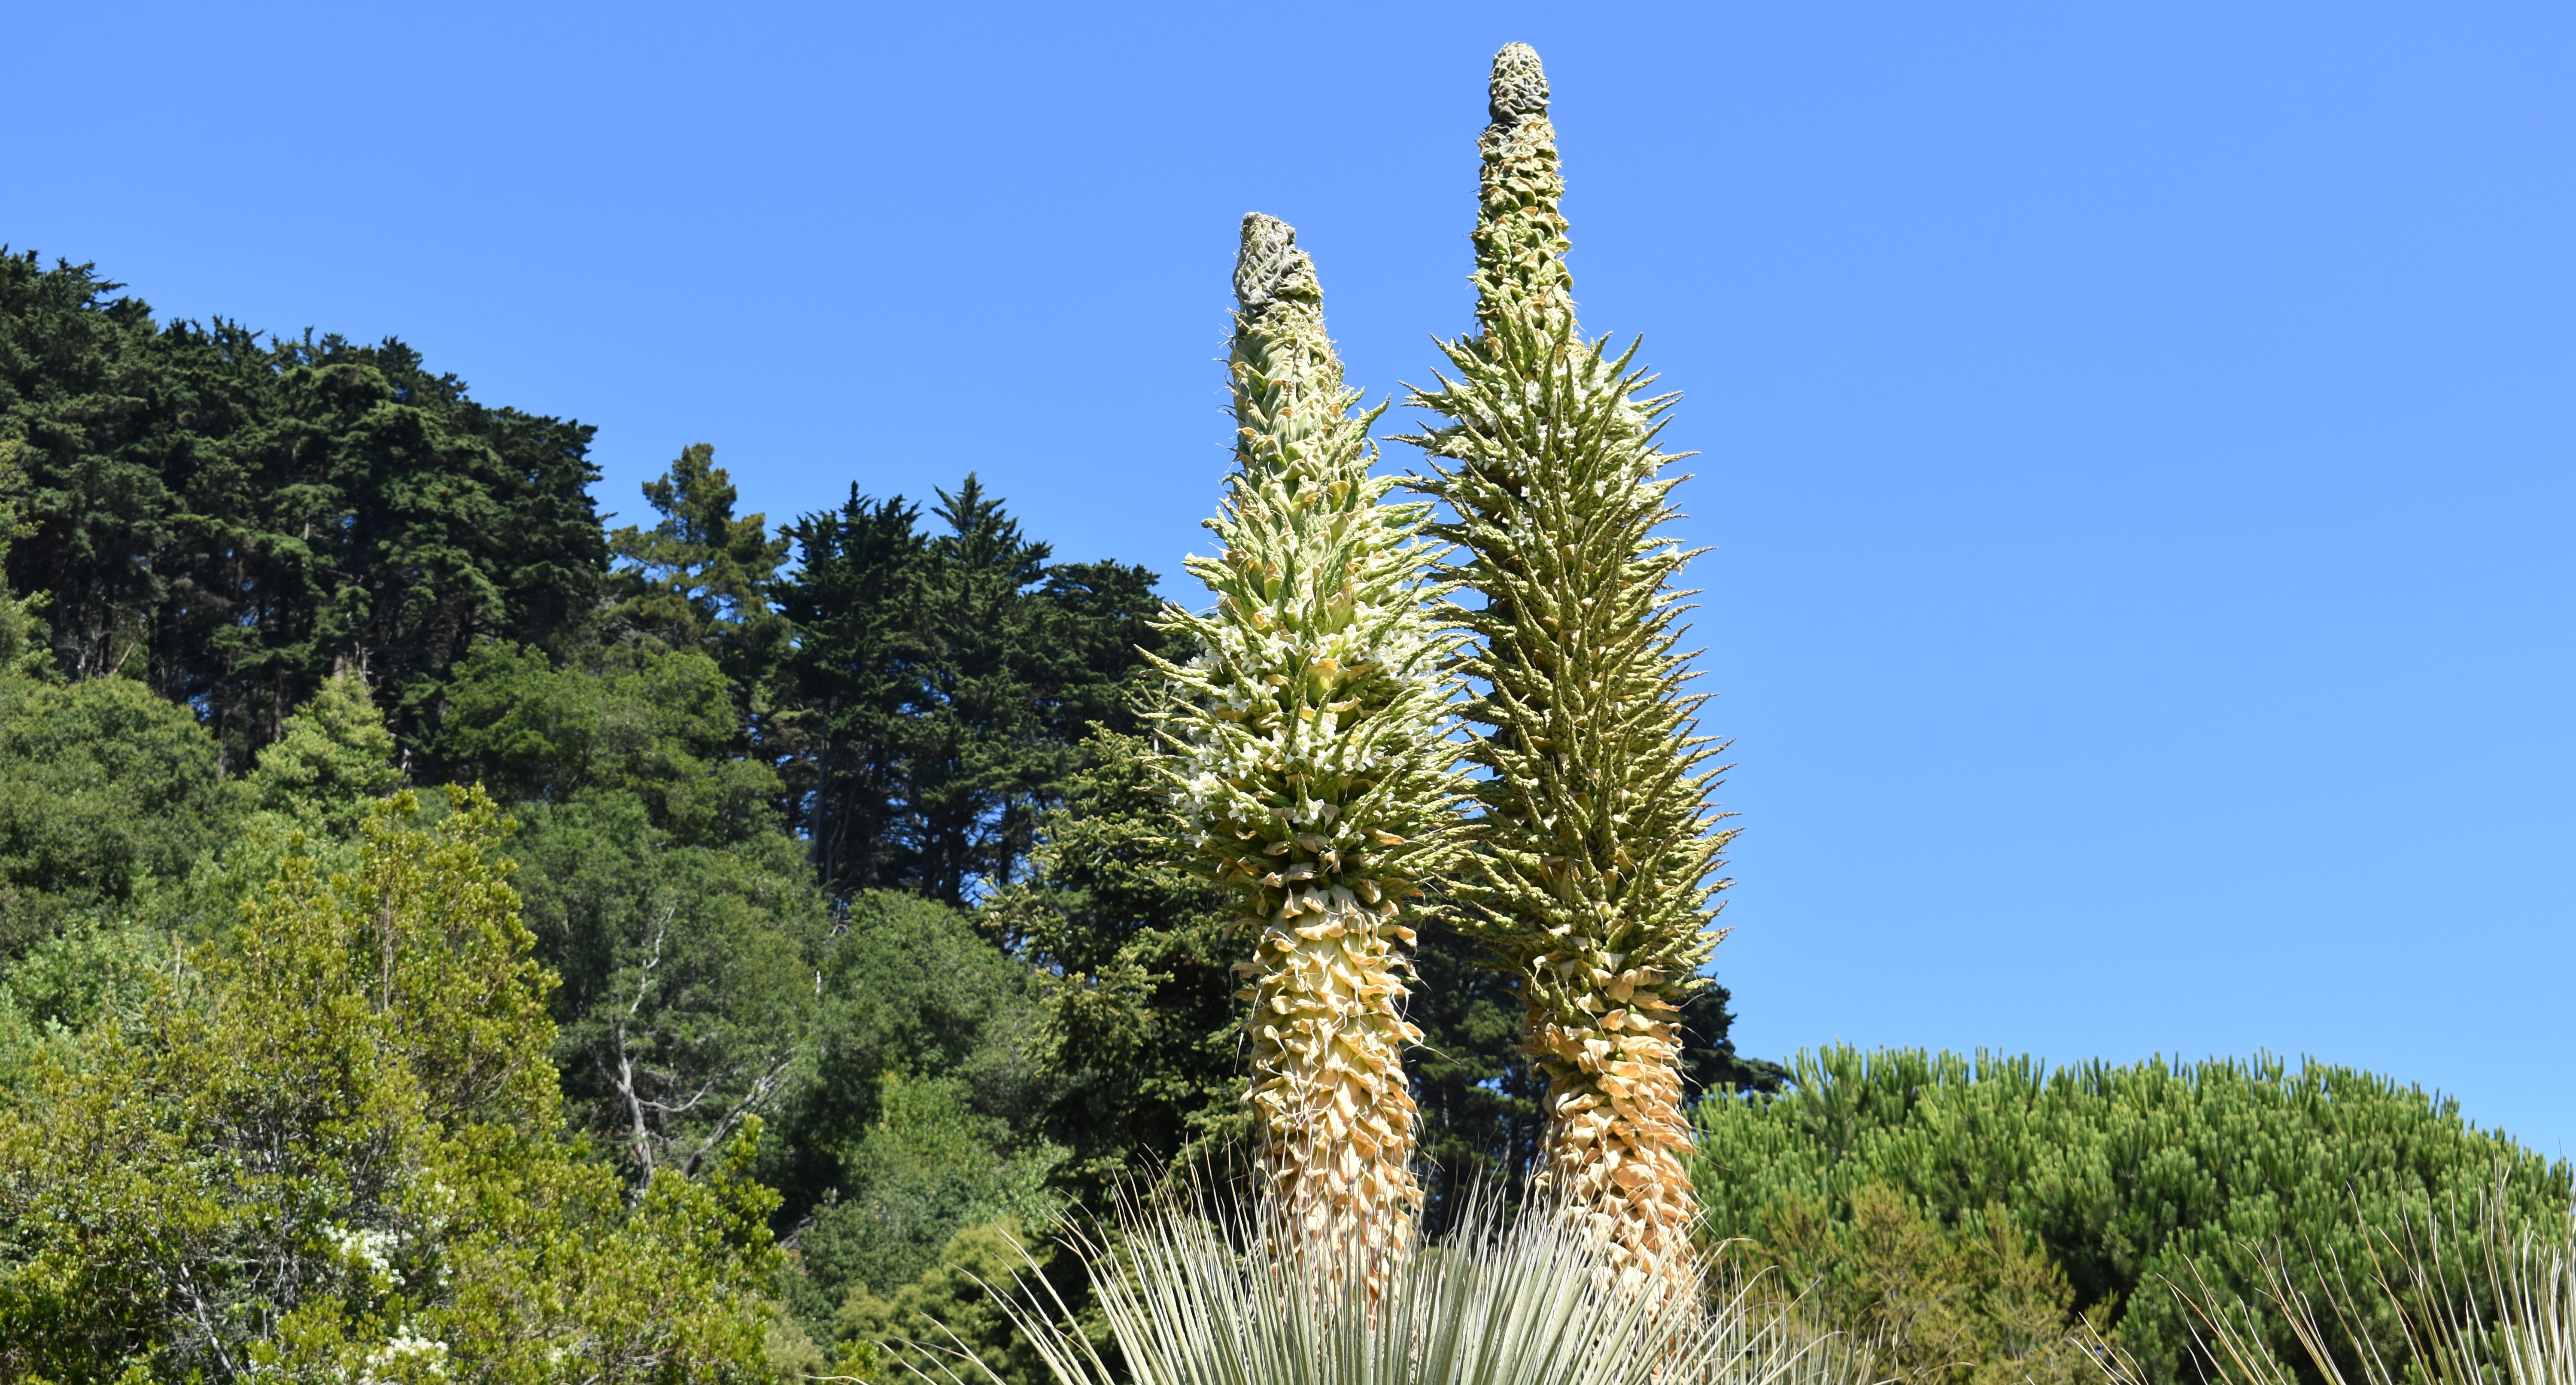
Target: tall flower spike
x: 1598, y: 840
x: 1307, y: 744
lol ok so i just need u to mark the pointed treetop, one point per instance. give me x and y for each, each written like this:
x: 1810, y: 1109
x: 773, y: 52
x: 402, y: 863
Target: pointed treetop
x: 1519, y: 89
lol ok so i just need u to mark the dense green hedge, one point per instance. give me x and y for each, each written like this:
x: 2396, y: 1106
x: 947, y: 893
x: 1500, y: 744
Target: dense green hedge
x: 2128, y: 1176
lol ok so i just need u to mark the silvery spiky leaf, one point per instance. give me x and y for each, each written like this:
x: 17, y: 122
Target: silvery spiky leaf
x: 2439, y: 1302
x: 1598, y: 840
x: 1307, y: 744
x: 1195, y: 1293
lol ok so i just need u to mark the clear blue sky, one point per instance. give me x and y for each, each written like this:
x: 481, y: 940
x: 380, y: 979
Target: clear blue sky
x: 2136, y: 439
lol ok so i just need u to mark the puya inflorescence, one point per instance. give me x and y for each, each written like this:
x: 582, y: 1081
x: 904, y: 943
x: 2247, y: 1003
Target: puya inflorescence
x: 1596, y: 841
x: 1308, y: 742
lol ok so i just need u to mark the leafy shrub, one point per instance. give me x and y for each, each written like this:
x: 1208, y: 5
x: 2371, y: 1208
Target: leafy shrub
x: 331, y: 1148
x: 1975, y: 1304
x: 2129, y: 1176
x: 930, y: 1167
x: 104, y: 788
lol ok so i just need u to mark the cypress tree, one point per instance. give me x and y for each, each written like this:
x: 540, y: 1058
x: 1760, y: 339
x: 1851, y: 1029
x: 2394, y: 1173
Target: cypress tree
x: 1307, y: 745
x: 1598, y: 840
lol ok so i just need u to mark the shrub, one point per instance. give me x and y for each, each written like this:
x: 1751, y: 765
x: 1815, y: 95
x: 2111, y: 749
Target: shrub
x: 2128, y: 1176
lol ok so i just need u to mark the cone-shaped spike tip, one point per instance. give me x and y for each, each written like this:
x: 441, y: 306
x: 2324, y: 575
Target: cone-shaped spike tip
x: 1519, y: 88
x: 1520, y: 232
x: 1288, y: 382
x: 1270, y: 266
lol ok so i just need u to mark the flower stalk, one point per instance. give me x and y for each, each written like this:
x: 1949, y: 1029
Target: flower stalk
x: 1597, y: 838
x: 1307, y: 743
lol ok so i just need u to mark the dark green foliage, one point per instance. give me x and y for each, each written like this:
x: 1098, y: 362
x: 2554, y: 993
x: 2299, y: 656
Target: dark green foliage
x: 1477, y: 1091
x: 1137, y: 953
x: 2128, y: 1176
x: 940, y: 684
x: 687, y: 973
x: 658, y: 724
x: 229, y: 517
x: 104, y: 789
x: 851, y: 601
x: 22, y: 632
x: 80, y: 390
x: 976, y: 755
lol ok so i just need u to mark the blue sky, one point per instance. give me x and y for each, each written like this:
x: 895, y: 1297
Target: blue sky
x: 2135, y: 440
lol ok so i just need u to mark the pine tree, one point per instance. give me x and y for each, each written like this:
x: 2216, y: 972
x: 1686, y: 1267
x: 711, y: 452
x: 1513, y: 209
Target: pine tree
x: 701, y: 578
x: 1598, y: 838
x: 1308, y: 746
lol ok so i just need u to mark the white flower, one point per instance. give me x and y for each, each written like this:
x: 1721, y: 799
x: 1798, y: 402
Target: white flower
x: 424, y: 1354
x: 374, y: 1249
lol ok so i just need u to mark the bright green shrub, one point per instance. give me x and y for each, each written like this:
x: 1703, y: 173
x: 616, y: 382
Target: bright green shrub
x: 2129, y: 1176
x: 331, y: 1149
x: 330, y: 762
x: 930, y: 1167
x: 1979, y: 1303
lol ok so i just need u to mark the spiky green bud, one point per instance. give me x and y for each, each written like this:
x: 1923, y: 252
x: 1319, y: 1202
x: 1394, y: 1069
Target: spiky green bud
x: 1307, y: 742
x: 1520, y: 234
x: 1599, y: 842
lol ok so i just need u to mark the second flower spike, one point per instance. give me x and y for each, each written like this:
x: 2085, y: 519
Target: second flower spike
x: 1595, y: 877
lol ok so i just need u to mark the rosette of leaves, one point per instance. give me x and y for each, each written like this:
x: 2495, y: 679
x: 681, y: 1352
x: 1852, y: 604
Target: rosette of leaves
x: 1307, y: 742
x: 1598, y: 840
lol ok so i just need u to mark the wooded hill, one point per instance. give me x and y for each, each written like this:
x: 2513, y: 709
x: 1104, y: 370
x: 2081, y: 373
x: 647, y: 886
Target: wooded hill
x: 851, y: 944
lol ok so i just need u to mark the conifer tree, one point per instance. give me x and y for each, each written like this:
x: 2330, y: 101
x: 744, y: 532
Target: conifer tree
x: 1307, y: 744
x: 701, y: 578
x: 1598, y: 839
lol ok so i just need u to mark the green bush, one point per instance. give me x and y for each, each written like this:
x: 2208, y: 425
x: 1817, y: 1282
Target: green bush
x: 331, y: 1148
x: 2129, y: 1176
x: 1974, y: 1304
x: 104, y: 789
